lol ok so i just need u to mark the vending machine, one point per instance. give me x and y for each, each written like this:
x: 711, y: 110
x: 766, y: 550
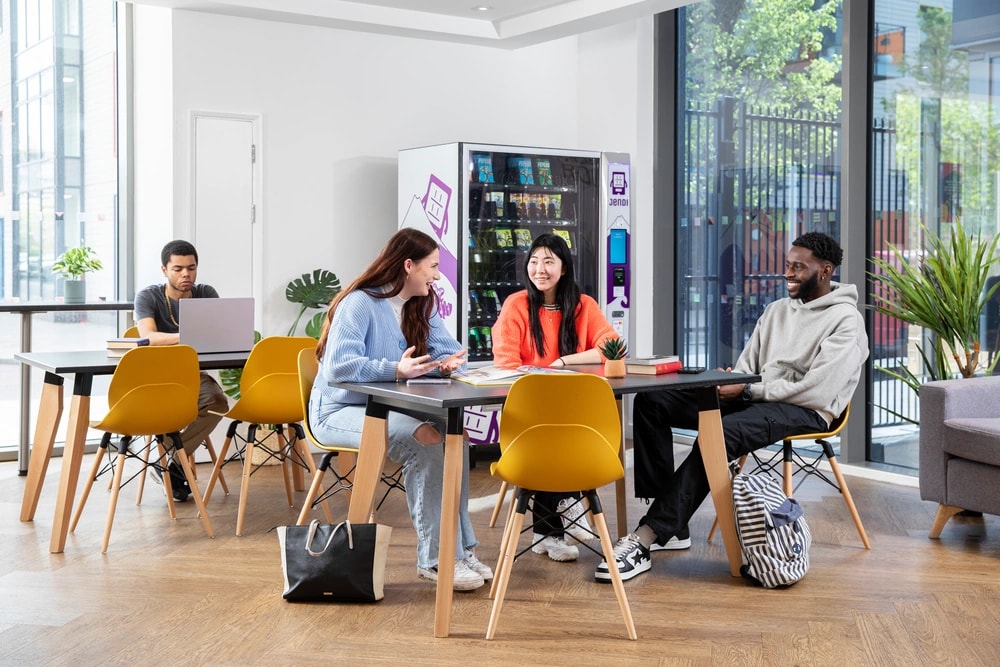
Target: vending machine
x: 487, y: 203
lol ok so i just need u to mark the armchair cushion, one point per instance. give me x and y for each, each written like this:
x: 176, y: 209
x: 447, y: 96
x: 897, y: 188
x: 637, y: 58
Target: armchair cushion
x: 975, y: 439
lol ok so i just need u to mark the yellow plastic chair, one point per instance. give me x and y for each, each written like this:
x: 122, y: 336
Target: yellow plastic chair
x: 794, y: 463
x: 346, y: 454
x: 153, y: 392
x: 268, y: 399
x: 558, y: 433
x: 133, y: 332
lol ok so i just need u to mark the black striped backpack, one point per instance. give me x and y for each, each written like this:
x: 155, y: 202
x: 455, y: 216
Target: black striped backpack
x: 773, y: 532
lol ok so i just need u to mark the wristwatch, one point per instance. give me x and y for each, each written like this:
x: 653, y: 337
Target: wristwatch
x: 746, y: 393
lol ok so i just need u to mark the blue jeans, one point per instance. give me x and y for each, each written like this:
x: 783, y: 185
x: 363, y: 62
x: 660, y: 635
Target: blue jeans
x: 423, y: 472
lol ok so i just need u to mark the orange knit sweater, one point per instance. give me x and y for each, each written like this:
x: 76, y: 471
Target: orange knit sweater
x: 514, y: 346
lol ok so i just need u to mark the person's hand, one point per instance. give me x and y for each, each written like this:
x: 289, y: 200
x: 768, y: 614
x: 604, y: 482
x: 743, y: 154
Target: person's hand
x: 412, y: 367
x: 729, y: 392
x: 449, y: 365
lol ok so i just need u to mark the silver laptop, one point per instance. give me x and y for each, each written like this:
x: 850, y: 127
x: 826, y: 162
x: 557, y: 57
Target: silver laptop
x: 217, y: 325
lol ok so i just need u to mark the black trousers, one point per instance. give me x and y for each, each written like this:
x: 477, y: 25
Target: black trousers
x: 676, y: 495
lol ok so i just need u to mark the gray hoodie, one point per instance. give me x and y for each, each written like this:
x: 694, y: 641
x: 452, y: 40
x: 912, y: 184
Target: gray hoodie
x: 808, y: 354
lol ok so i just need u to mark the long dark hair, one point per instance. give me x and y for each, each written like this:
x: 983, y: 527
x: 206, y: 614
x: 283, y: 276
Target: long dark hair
x: 388, y: 269
x: 567, y: 296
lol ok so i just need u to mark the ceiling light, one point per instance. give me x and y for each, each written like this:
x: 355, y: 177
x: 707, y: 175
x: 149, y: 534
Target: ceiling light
x: 481, y: 8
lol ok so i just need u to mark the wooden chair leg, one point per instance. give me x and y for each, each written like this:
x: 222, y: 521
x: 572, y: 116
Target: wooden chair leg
x: 944, y: 513
x: 502, y: 575
x: 501, y: 495
x: 211, y: 455
x: 168, y: 485
x: 786, y: 468
x: 102, y: 451
x: 182, y: 458
x: 116, y: 488
x: 835, y: 466
x: 220, y: 460
x: 245, y: 485
x: 715, y: 522
x: 607, y: 546
x: 141, y: 484
x: 512, y: 509
x: 287, y: 465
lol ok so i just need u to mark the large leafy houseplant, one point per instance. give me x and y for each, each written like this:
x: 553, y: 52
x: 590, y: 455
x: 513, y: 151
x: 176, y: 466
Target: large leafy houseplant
x: 315, y: 290
x: 945, y: 292
x: 75, y: 262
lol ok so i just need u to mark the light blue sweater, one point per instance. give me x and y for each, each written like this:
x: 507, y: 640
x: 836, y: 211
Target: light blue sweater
x: 365, y: 344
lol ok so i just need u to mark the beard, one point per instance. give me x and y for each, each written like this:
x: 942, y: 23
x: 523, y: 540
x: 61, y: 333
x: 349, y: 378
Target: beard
x: 809, y: 289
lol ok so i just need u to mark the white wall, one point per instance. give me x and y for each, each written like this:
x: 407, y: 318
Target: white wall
x: 337, y: 106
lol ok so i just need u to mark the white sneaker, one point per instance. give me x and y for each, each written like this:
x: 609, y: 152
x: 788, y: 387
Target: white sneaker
x: 465, y: 578
x: 574, y: 519
x: 555, y: 547
x: 477, y: 566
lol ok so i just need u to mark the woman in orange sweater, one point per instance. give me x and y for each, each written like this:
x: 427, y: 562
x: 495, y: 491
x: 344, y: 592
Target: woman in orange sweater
x: 551, y: 323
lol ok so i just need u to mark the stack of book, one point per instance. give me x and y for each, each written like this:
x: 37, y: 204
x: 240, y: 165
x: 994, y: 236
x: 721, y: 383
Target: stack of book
x: 653, y: 365
x: 119, y: 346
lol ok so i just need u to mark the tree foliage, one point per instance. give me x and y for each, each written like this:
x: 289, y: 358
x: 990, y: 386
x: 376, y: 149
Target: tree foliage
x: 763, y: 53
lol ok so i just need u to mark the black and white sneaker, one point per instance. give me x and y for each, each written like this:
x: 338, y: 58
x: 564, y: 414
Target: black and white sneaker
x: 681, y: 540
x: 631, y: 558
x: 178, y: 483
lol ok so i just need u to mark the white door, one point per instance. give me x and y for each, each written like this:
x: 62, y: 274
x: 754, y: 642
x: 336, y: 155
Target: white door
x: 223, y: 196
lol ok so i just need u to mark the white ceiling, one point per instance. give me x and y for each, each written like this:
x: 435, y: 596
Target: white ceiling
x: 505, y: 24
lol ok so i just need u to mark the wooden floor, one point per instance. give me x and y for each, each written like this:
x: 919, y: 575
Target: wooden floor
x: 166, y: 593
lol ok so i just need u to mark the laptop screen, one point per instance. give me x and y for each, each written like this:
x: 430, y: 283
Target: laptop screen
x: 217, y: 325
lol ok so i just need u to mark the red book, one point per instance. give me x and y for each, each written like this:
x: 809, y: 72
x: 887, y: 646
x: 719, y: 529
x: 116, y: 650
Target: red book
x: 655, y: 369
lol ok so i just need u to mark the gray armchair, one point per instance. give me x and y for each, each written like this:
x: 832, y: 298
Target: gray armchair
x: 960, y: 447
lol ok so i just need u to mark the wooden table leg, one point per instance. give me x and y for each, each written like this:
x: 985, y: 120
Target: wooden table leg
x: 76, y: 439
x: 371, y: 460
x: 712, y: 443
x: 620, y: 490
x: 49, y: 413
x: 451, y: 490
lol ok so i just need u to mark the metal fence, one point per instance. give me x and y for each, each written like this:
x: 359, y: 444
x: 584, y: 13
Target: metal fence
x: 754, y: 179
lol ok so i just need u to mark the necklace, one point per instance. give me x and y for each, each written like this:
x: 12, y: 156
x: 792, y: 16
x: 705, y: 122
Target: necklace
x: 170, y: 310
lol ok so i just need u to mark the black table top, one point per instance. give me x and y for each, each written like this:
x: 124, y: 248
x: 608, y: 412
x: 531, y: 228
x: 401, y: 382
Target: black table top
x: 460, y: 394
x: 99, y: 363
x: 44, y: 307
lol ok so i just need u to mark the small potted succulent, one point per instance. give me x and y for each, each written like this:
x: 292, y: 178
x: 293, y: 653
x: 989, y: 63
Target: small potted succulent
x: 614, y: 350
x: 72, y: 265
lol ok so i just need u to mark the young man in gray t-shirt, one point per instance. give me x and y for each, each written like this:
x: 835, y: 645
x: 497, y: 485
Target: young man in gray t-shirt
x: 157, y: 318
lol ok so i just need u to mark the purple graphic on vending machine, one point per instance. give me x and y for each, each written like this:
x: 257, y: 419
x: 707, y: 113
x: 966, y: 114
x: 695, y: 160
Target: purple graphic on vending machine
x: 444, y: 306
x: 618, y: 183
x: 435, y: 203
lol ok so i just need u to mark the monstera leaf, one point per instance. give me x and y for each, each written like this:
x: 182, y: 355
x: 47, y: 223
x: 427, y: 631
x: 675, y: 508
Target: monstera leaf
x: 315, y: 290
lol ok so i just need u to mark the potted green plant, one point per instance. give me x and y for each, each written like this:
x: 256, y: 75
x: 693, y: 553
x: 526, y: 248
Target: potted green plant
x: 614, y: 350
x: 72, y: 265
x: 944, y: 292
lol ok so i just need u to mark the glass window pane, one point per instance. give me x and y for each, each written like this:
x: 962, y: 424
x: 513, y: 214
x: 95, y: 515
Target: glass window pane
x: 759, y: 132
x: 936, y: 142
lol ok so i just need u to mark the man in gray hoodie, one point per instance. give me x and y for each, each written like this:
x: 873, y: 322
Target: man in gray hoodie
x: 809, y: 350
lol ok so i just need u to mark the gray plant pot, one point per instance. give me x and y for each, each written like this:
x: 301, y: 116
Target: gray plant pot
x: 76, y: 291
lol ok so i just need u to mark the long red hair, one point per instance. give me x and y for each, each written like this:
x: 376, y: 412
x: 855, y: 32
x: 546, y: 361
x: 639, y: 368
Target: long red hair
x: 388, y: 269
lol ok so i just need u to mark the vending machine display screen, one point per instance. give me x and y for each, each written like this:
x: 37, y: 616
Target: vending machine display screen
x: 618, y: 253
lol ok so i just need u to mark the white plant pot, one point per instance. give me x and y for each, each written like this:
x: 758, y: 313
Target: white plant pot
x: 75, y: 291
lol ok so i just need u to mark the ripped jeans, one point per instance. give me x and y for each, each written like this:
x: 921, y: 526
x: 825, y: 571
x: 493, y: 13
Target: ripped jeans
x: 423, y: 473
